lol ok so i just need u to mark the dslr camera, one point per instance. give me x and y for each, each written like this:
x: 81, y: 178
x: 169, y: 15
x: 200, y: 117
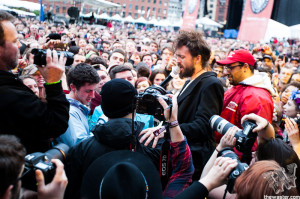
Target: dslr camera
x: 245, y: 138
x: 147, y: 102
x: 42, y: 161
x: 40, y: 56
x: 237, y: 171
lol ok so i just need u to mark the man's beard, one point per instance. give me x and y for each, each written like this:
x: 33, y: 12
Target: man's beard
x: 187, y: 72
x: 11, y: 63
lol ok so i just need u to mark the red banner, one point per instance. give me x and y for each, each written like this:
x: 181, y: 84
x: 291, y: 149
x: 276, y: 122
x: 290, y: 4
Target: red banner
x: 255, y: 20
x: 190, y: 14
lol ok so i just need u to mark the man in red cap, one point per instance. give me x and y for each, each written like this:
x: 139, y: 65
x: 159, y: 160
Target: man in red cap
x: 251, y: 92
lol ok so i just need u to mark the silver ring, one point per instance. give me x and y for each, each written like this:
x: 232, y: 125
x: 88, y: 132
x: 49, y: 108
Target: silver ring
x: 168, y: 107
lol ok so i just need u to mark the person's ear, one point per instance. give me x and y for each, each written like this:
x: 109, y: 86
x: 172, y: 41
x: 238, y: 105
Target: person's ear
x: 7, y: 193
x: 72, y: 87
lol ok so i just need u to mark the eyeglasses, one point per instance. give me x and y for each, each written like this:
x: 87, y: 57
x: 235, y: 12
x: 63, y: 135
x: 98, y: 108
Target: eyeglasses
x: 230, y: 68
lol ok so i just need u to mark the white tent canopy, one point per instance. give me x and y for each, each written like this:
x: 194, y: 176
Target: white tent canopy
x: 19, y: 12
x: 141, y: 20
x: 163, y: 23
x: 178, y: 23
x: 102, y: 4
x: 276, y: 29
x: 153, y: 21
x: 295, y: 31
x: 207, y: 22
x: 20, y: 4
x: 104, y: 16
x: 129, y: 19
x: 116, y: 17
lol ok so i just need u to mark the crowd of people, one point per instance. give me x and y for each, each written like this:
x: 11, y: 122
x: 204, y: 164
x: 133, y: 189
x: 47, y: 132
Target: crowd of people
x: 98, y: 91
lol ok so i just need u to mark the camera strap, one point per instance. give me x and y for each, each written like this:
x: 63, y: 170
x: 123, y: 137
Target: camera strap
x: 164, y: 160
x: 165, y: 156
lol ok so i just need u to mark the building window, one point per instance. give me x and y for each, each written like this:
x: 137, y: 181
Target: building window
x: 158, y: 18
x: 149, y: 1
x: 135, y: 15
x: 64, y: 9
x: 165, y: 11
x: 154, y: 1
x: 136, y: 7
x: 153, y: 9
x: 124, y: 5
x: 130, y: 6
x: 57, y: 9
x: 165, y: 3
x: 211, y: 5
x: 142, y: 8
x: 159, y: 10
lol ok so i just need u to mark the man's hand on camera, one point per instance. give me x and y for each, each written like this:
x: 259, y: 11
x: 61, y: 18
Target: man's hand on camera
x: 261, y: 122
x: 55, y: 189
x: 167, y: 108
x: 218, y: 174
x: 228, y: 140
x: 149, y: 135
x: 55, y: 67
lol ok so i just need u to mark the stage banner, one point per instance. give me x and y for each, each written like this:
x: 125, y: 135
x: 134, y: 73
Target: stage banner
x: 190, y: 14
x: 255, y: 20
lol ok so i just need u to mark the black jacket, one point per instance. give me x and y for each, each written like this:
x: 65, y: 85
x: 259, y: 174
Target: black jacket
x: 24, y: 115
x: 111, y: 136
x: 202, y: 99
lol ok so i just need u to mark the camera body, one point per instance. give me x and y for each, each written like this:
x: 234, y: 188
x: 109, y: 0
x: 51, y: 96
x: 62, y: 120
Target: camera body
x: 237, y: 171
x: 42, y: 161
x: 40, y: 55
x: 147, y: 102
x: 245, y: 138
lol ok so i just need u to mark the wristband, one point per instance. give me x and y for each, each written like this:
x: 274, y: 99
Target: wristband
x: 53, y: 83
x: 217, y: 150
x: 173, y: 124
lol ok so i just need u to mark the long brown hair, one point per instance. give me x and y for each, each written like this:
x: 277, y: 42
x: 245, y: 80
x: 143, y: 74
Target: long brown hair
x: 255, y: 182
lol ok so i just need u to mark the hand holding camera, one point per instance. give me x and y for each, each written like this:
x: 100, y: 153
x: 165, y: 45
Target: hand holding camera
x: 57, y: 187
x: 54, y: 67
x: 219, y: 173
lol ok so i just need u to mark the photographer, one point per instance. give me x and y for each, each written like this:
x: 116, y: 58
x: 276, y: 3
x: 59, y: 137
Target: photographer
x: 19, y: 106
x: 11, y: 168
x: 182, y: 167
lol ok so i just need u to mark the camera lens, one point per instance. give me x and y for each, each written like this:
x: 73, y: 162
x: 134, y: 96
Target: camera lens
x: 219, y: 124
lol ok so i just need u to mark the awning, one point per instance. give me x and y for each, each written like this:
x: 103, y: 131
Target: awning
x: 102, y: 4
x: 21, y: 4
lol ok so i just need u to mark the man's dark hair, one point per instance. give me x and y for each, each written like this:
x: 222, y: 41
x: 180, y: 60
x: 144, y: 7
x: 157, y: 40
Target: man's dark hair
x: 12, y: 158
x: 118, y: 51
x: 153, y: 42
x: 146, y: 55
x: 142, y: 70
x: 4, y: 16
x: 96, y: 60
x: 74, y: 49
x: 195, y: 43
x: 105, y: 42
x: 118, y: 69
x: 81, y: 74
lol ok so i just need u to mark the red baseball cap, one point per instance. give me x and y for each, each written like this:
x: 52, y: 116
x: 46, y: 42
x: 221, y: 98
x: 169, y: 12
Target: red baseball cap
x: 242, y: 55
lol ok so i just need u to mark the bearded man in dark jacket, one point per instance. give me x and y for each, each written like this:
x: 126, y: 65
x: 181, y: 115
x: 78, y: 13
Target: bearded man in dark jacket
x: 118, y: 105
x: 23, y: 114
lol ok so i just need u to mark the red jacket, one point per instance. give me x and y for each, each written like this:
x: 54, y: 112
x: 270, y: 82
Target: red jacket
x: 242, y: 100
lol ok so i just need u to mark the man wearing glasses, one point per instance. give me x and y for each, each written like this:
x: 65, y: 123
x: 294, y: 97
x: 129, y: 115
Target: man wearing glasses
x: 251, y: 92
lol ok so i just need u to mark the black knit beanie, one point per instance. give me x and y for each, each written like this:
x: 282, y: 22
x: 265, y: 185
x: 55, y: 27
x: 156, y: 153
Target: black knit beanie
x: 118, y: 98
